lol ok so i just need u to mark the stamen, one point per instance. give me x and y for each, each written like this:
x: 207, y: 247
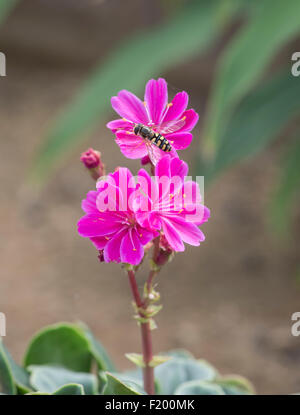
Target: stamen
x: 183, y: 118
x: 170, y: 104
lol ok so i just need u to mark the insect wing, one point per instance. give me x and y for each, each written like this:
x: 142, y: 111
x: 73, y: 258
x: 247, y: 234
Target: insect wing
x: 154, y: 153
x: 170, y: 127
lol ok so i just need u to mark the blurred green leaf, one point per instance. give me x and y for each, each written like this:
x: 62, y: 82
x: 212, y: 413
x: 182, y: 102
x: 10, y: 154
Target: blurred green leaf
x: 7, y: 385
x: 70, y: 389
x: 117, y: 386
x: 145, y: 55
x: 198, y: 387
x: 235, y: 385
x: 176, y: 371
x: 287, y: 189
x: 20, y: 375
x: 6, y: 6
x: 97, y: 350
x: 50, y: 378
x: 244, y: 61
x: 61, y: 344
x: 258, y: 120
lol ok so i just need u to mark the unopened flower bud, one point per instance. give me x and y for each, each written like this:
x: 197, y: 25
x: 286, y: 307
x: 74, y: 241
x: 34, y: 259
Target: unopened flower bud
x: 145, y: 160
x: 92, y: 161
x: 165, y: 252
x: 101, y: 256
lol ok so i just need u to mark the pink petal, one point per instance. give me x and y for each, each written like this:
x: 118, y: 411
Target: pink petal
x: 170, y: 175
x: 156, y: 98
x: 178, y: 168
x: 180, y: 140
x: 172, y: 235
x: 188, y: 232
x: 89, y: 203
x: 147, y: 190
x: 99, y: 242
x: 94, y: 224
x: 112, y: 248
x: 129, y: 106
x: 132, y: 250
x: 109, y: 195
x: 132, y: 146
x: 177, y: 107
x: 162, y: 168
x: 193, y: 210
x: 150, y: 220
x: 145, y: 235
x: 191, y: 119
x: 120, y: 124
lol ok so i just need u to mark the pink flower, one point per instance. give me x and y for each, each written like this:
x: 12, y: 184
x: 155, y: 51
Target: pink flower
x: 171, y: 120
x: 170, y: 204
x: 110, y: 222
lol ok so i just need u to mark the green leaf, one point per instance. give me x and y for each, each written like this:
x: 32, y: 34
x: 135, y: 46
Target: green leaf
x: 158, y: 360
x: 50, y: 378
x: 136, y: 359
x: 117, y: 386
x: 6, y: 7
x: 145, y: 55
x: 136, y: 376
x: 258, y: 120
x: 198, y: 387
x: 20, y: 375
x: 173, y: 373
x: 287, y: 189
x: 235, y: 385
x: 7, y: 385
x: 98, y: 351
x: 70, y: 389
x: 245, y: 59
x: 61, y: 344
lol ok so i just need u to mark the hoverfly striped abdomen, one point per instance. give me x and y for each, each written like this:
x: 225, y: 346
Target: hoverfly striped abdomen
x: 155, y: 138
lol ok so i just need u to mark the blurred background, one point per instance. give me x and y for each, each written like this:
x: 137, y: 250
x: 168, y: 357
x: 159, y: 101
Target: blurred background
x: 229, y: 301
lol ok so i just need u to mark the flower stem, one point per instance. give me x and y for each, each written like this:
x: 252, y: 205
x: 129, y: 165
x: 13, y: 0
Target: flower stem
x: 148, y: 371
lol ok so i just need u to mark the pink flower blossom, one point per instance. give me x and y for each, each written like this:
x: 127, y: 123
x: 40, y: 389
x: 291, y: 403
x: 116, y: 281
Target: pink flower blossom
x: 170, y: 204
x: 173, y: 121
x: 110, y: 223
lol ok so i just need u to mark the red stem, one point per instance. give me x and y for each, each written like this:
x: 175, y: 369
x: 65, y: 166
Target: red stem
x: 148, y: 371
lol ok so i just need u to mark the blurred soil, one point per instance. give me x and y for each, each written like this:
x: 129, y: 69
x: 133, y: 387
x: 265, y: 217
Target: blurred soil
x: 229, y: 301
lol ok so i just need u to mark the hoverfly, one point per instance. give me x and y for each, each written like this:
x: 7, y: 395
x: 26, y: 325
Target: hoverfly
x: 153, y: 136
